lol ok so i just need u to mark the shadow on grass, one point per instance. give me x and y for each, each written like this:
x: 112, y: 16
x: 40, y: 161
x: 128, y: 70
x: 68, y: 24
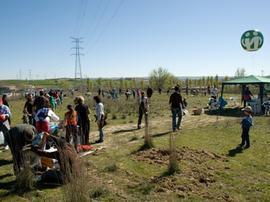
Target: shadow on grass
x: 233, y: 152
x: 9, y: 186
x: 124, y: 130
x: 232, y: 112
x: 4, y: 162
x: 5, y: 175
x: 161, y: 134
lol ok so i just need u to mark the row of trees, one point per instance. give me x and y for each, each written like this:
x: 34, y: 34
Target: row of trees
x: 158, y: 78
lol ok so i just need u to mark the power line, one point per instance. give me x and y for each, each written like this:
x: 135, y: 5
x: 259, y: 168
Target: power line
x: 96, y: 14
x: 81, y: 22
x: 77, y: 48
x: 116, y: 11
x: 80, y: 13
x: 99, y: 20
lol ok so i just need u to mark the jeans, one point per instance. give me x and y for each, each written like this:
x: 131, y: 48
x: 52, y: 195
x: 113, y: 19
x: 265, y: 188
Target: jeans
x: 245, y: 137
x: 101, y: 134
x: 72, y: 131
x: 141, y: 112
x: 176, y: 112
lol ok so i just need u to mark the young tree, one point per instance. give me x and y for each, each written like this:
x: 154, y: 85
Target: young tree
x: 89, y: 85
x: 240, y: 72
x: 160, y: 78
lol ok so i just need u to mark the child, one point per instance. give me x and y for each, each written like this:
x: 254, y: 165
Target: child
x: 71, y: 125
x: 246, y: 124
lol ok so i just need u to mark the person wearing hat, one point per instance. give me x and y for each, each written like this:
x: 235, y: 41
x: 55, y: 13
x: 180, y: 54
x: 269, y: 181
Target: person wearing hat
x: 176, y: 103
x: 246, y: 123
x: 5, y: 115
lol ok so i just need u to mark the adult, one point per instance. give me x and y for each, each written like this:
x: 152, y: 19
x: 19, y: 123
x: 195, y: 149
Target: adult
x: 214, y: 92
x: 5, y: 100
x: 247, y: 96
x: 17, y: 137
x: 5, y: 115
x: 83, y: 119
x: 143, y: 108
x: 127, y: 93
x: 149, y: 92
x: 176, y: 104
x: 159, y: 90
x: 28, y: 109
x: 100, y: 117
x: 71, y: 126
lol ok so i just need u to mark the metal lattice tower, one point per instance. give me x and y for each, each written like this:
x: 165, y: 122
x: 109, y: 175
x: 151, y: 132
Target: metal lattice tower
x: 77, y: 48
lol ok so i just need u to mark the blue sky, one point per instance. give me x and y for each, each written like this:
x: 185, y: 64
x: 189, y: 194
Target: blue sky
x: 129, y: 38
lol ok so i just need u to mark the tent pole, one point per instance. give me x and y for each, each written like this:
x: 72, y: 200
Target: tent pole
x: 222, y: 90
x: 261, y: 93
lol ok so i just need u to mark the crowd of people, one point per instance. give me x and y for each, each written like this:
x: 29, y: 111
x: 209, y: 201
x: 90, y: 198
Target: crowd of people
x: 41, y: 121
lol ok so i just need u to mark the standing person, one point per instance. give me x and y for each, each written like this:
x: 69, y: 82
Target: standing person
x: 100, y: 118
x: 99, y: 92
x: 71, y: 126
x: 5, y: 100
x: 247, y: 96
x: 143, y: 108
x: 127, y: 93
x: 5, y: 115
x: 52, y: 102
x: 159, y: 90
x: 214, y: 92
x: 83, y: 119
x: 134, y: 93
x: 246, y: 123
x: 28, y: 109
x: 176, y: 103
x: 149, y: 92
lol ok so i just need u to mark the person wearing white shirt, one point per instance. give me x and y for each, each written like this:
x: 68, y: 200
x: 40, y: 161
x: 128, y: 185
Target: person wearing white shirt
x: 43, y: 118
x: 100, y: 118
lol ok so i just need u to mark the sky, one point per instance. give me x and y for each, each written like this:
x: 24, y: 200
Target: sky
x: 130, y: 38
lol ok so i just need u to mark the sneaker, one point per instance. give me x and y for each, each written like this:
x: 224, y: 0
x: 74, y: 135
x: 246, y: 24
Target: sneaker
x: 139, y: 127
x: 247, y: 146
x: 6, y: 147
x: 99, y: 141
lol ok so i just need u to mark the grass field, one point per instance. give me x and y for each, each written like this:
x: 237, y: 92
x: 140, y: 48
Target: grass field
x: 211, y: 169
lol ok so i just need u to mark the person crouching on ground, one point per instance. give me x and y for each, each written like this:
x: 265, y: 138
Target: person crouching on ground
x: 246, y: 123
x: 143, y: 108
x: 100, y: 118
x: 71, y: 126
x: 176, y: 103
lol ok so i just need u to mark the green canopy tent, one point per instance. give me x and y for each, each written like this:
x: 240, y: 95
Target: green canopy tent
x: 249, y: 80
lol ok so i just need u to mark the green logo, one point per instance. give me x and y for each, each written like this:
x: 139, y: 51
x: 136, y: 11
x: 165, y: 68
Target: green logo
x: 252, y: 40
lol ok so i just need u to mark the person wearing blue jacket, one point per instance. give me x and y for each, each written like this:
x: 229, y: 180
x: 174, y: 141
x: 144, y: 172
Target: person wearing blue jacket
x: 246, y: 123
